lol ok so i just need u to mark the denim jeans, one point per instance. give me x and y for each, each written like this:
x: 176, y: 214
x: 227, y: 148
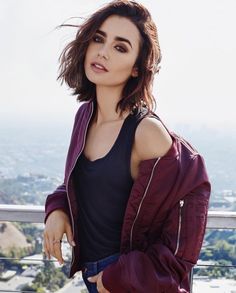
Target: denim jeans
x: 93, y: 268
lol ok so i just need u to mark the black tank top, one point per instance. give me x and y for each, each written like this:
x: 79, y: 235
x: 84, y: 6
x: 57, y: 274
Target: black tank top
x: 102, y: 190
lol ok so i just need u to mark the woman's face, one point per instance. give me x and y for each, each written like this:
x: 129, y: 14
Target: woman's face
x: 115, y: 45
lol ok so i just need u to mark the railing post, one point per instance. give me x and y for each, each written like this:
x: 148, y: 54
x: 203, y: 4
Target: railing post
x: 191, y: 280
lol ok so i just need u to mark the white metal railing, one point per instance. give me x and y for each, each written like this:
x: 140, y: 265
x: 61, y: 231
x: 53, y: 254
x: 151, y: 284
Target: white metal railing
x: 22, y: 213
x: 35, y: 214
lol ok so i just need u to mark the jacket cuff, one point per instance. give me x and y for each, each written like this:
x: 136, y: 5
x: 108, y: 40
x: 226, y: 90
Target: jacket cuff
x: 66, y: 211
x: 52, y: 204
x: 111, y: 278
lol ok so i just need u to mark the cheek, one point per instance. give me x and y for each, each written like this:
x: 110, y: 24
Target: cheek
x: 87, y: 61
x: 87, y: 65
x: 118, y: 76
x: 122, y: 67
x: 87, y: 56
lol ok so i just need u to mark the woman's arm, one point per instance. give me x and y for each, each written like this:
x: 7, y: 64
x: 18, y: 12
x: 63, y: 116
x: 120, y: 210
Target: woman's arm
x: 57, y: 200
x: 57, y: 214
x: 151, y: 140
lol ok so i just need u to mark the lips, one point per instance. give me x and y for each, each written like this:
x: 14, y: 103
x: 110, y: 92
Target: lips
x: 99, y: 66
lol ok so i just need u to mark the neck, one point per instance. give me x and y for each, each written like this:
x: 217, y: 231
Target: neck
x: 107, y: 99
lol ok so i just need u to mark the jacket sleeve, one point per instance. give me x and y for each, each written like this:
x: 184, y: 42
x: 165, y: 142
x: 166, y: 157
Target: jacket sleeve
x: 165, y: 263
x: 57, y: 200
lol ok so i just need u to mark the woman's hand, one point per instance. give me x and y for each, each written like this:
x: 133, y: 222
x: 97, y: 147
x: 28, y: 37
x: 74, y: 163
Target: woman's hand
x: 57, y: 224
x: 98, y: 279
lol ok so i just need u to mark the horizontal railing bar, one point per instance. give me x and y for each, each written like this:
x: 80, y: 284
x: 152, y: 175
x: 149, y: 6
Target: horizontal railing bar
x: 16, y: 291
x: 35, y: 214
x: 221, y: 220
x: 218, y: 266
x: 37, y: 259
x: 51, y: 260
x: 22, y: 213
x: 31, y: 259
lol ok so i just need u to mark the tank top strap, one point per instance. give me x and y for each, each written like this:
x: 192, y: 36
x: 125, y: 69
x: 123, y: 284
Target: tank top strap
x: 127, y: 133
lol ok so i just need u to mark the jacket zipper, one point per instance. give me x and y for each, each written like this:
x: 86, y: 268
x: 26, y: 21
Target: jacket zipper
x: 181, y: 204
x: 73, y: 228
x: 139, y: 208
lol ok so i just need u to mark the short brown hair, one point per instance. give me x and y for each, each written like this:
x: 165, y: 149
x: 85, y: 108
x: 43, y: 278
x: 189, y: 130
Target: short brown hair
x: 138, y: 90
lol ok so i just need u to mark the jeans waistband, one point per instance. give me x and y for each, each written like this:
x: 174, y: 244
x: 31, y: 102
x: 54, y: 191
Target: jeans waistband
x: 94, y: 265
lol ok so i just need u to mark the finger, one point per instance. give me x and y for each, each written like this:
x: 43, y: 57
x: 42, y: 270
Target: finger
x: 100, y: 287
x: 93, y: 279
x: 58, y: 252
x: 55, y: 249
x: 51, y: 246
x: 46, y: 245
x: 69, y: 235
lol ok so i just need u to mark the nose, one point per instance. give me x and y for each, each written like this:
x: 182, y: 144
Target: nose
x: 103, y: 52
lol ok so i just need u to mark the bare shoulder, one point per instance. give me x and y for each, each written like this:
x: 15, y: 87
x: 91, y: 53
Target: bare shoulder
x: 151, y: 139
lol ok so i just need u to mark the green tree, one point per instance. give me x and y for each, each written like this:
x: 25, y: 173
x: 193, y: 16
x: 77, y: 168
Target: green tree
x: 49, y: 278
x: 27, y: 288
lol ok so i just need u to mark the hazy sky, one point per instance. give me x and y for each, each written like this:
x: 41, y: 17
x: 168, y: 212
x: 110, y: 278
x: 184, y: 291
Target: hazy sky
x: 196, y: 83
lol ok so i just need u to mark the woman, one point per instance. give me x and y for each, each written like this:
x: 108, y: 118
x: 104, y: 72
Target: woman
x: 135, y: 195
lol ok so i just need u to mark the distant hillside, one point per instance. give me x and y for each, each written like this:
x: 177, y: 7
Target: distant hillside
x: 11, y: 238
x: 28, y: 188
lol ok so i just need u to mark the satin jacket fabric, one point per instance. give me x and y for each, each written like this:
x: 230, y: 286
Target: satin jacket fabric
x: 164, y: 222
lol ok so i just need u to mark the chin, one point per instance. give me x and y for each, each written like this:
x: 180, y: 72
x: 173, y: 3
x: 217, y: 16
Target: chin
x: 94, y: 78
x: 90, y: 76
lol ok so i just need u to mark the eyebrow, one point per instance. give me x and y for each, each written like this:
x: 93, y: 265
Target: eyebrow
x: 117, y: 38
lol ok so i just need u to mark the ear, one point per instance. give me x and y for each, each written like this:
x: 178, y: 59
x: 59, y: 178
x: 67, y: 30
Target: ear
x: 134, y: 72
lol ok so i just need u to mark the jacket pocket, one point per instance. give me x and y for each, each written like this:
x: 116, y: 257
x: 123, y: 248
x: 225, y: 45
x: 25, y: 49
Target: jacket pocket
x: 181, y: 204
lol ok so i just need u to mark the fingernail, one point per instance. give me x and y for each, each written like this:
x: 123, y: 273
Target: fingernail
x: 73, y: 242
x: 89, y: 278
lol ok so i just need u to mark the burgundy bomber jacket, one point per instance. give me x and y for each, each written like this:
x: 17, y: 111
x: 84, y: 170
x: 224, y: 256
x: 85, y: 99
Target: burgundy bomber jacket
x: 164, y: 222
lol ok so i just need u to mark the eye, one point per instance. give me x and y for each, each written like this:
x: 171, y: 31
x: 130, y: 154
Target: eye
x: 97, y: 39
x: 122, y: 49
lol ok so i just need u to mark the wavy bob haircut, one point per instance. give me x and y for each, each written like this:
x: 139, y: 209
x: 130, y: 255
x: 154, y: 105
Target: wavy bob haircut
x: 138, y: 90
